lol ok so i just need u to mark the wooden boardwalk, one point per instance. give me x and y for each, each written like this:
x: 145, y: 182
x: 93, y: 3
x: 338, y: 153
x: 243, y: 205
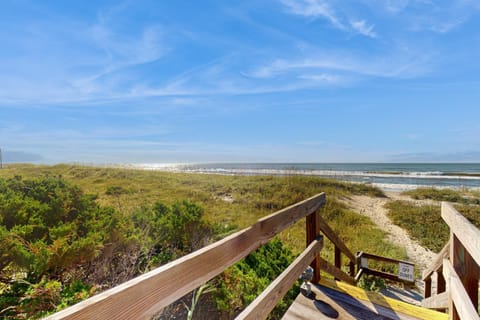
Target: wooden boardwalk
x: 337, y: 300
x: 457, y: 268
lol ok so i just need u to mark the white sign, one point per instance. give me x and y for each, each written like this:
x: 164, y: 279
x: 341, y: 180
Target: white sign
x: 405, y: 272
x: 364, y: 263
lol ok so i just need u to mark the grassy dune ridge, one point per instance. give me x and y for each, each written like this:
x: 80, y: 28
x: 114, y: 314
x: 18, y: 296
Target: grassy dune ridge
x: 230, y: 200
x: 233, y: 202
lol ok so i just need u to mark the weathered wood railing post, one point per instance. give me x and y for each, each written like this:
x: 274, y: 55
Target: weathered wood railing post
x: 352, y: 268
x: 466, y: 269
x: 338, y: 259
x: 463, y: 268
x: 437, y: 300
x: 312, y: 232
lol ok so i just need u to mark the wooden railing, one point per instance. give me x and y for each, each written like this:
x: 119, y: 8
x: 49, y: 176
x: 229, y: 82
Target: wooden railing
x: 405, y: 272
x: 457, y: 269
x: 142, y: 297
x: 146, y: 295
x: 315, y: 224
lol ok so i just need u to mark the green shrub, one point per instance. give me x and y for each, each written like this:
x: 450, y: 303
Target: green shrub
x: 116, y: 190
x: 239, y: 285
x: 58, y: 243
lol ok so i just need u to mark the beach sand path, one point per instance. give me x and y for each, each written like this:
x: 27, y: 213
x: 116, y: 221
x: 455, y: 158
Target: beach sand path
x: 374, y: 208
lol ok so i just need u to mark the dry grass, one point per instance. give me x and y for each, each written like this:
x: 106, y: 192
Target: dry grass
x: 230, y: 200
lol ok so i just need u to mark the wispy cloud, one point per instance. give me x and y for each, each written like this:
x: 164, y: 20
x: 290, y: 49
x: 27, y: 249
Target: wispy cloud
x: 363, y: 28
x: 322, y: 77
x: 393, y: 6
x: 337, y: 17
x: 76, y: 60
x: 396, y: 65
x: 426, y: 15
x: 313, y: 9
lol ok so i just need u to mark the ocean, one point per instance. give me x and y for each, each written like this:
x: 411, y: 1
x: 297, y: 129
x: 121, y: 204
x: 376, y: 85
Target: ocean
x: 387, y: 176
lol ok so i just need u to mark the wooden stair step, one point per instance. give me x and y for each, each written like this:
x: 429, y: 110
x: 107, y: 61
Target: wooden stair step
x: 337, y: 300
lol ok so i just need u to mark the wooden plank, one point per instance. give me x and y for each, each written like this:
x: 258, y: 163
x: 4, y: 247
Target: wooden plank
x: 143, y: 296
x: 327, y: 303
x: 454, y: 243
x: 359, y: 275
x: 385, y: 275
x: 337, y: 273
x: 312, y: 232
x: 437, y: 264
x: 438, y: 302
x: 330, y: 234
x: 268, y: 299
x: 351, y: 266
x: 380, y: 300
x: 384, y: 259
x: 466, y: 269
x: 463, y: 306
x: 466, y: 232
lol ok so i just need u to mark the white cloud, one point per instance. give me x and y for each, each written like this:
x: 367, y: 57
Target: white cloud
x: 322, y: 78
x: 402, y: 64
x: 313, y: 9
x: 363, y: 28
x: 75, y: 59
x: 322, y: 9
x: 395, y: 6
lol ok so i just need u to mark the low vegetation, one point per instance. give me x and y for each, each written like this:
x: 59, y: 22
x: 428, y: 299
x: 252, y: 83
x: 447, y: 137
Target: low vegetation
x: 251, y: 276
x: 443, y: 195
x: 70, y: 231
x: 424, y: 222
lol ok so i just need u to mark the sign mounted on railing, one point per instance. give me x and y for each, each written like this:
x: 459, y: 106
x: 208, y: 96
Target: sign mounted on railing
x: 364, y: 263
x: 405, y: 272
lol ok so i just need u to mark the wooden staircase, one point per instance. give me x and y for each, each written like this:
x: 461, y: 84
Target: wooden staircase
x: 338, y: 300
x: 144, y: 296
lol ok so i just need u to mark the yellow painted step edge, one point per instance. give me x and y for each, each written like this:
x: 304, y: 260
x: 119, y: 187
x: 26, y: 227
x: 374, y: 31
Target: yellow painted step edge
x: 379, y: 299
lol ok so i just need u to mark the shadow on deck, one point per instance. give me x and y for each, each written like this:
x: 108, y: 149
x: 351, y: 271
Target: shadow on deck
x: 336, y: 300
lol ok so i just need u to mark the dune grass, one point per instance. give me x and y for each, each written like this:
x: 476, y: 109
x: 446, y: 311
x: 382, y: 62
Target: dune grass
x: 234, y: 201
x: 424, y: 222
x: 463, y: 197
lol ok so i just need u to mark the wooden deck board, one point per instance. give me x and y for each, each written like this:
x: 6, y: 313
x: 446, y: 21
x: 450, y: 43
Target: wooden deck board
x: 330, y: 301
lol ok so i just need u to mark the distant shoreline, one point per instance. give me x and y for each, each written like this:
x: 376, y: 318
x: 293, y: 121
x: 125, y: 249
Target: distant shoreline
x: 386, y: 176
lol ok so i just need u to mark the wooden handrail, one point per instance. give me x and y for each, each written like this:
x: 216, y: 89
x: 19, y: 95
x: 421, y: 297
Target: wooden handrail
x: 463, y: 305
x: 437, y: 263
x: 142, y: 297
x: 384, y: 259
x: 458, y: 264
x: 390, y: 276
x: 336, y: 272
x: 437, y: 302
x: 466, y: 232
x: 332, y: 236
x: 268, y: 299
x: 340, y: 247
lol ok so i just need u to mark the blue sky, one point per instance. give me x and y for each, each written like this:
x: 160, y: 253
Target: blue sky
x: 259, y: 81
